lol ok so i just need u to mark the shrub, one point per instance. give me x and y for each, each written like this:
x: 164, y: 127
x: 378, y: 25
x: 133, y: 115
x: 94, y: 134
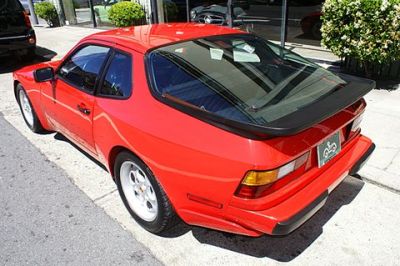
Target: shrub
x: 48, y: 12
x: 367, y: 30
x: 124, y: 14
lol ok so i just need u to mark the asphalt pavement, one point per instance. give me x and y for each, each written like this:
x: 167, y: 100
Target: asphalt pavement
x: 46, y: 220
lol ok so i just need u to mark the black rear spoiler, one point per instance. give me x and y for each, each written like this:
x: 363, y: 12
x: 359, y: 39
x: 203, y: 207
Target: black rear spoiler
x: 293, y: 123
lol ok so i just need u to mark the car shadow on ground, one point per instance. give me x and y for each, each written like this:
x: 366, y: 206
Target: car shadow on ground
x: 283, y: 248
x: 279, y: 248
x: 12, y: 62
x: 59, y: 136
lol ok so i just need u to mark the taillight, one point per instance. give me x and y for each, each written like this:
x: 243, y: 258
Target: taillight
x: 356, y: 123
x: 27, y: 20
x: 256, y: 183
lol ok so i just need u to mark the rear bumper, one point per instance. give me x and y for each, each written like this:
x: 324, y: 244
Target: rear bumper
x: 286, y: 227
x: 290, y: 214
x: 20, y: 42
x: 360, y: 163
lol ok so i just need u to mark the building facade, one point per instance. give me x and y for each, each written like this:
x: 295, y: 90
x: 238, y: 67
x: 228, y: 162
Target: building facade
x: 294, y: 21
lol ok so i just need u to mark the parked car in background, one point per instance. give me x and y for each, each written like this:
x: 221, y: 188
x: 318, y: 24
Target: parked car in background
x: 16, y: 32
x: 216, y: 14
x: 207, y: 123
x: 311, y: 25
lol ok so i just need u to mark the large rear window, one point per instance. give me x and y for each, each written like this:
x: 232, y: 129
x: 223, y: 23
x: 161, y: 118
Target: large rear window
x: 238, y: 77
x: 10, y: 6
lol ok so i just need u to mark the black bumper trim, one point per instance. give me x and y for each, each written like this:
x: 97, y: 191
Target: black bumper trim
x: 360, y: 163
x: 288, y: 226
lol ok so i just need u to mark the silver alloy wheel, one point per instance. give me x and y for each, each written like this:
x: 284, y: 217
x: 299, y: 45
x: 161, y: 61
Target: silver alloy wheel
x: 138, y: 191
x: 26, y: 107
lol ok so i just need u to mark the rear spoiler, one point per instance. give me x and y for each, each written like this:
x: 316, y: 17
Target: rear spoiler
x: 293, y: 123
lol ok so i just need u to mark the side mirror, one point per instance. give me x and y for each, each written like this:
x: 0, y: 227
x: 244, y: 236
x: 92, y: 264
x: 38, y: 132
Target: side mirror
x: 43, y: 74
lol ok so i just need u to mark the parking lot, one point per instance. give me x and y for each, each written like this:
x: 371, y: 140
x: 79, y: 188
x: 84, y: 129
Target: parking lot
x: 358, y: 225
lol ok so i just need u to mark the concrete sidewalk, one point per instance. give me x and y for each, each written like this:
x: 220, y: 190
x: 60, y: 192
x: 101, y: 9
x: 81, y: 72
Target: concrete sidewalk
x: 359, y: 224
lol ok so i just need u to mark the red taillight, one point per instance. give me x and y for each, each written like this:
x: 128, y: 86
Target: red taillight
x: 256, y: 184
x: 248, y: 192
x: 27, y: 20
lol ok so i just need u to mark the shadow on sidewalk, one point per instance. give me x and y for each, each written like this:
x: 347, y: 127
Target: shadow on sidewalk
x: 286, y: 248
x: 12, y: 62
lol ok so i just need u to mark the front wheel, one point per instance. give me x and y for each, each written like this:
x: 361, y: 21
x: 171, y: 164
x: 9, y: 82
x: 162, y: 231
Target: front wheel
x: 27, y: 110
x: 142, y: 195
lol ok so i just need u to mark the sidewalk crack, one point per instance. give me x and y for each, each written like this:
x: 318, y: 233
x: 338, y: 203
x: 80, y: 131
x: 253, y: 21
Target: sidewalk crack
x: 105, y: 195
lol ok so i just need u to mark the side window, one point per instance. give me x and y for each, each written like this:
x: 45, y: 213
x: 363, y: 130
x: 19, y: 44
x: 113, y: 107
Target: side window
x: 82, y: 68
x: 118, y: 78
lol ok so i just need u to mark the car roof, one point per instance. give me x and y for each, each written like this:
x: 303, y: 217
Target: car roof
x: 145, y: 37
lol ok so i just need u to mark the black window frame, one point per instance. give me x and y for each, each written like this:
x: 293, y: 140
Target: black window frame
x: 104, y: 73
x: 76, y: 50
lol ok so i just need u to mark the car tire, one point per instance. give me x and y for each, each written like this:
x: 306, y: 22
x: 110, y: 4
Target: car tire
x: 28, y: 113
x: 143, y: 195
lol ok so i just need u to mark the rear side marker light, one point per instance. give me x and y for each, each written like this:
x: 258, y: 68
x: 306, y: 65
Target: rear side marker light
x: 255, y: 182
x: 205, y: 201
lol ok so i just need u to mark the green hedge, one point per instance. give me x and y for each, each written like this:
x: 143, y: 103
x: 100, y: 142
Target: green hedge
x: 48, y: 12
x: 125, y: 14
x: 367, y: 30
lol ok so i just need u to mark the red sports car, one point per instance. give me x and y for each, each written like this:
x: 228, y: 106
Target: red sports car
x: 210, y: 124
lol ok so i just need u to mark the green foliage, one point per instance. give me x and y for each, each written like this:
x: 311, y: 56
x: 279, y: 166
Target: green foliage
x: 368, y: 30
x: 125, y: 14
x: 48, y: 12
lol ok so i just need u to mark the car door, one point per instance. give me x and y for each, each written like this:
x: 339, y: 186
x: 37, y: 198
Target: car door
x: 69, y: 103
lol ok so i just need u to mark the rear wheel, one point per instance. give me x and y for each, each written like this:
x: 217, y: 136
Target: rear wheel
x: 28, y: 113
x: 142, y: 194
x: 316, y: 30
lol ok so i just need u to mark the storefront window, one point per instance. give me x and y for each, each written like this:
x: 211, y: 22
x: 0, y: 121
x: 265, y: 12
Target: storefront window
x: 209, y: 12
x: 172, y: 11
x: 304, y: 22
x: 262, y: 17
x: 79, y: 12
x: 101, y: 12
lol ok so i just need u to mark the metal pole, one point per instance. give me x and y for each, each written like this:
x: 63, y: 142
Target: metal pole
x: 32, y: 11
x: 154, y: 11
x: 92, y: 13
x: 187, y: 11
x: 62, y: 13
x: 284, y: 22
x: 230, y: 13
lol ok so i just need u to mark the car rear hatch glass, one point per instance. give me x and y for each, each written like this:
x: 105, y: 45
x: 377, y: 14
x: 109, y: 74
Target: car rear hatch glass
x: 12, y: 21
x: 247, y: 85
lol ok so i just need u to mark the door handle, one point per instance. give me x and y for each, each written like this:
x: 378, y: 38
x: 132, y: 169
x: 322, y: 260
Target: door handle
x: 83, y: 109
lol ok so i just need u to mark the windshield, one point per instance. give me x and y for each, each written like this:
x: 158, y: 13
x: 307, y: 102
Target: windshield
x: 238, y: 77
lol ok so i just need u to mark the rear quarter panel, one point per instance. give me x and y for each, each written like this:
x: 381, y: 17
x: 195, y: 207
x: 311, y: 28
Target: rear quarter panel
x: 188, y: 155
